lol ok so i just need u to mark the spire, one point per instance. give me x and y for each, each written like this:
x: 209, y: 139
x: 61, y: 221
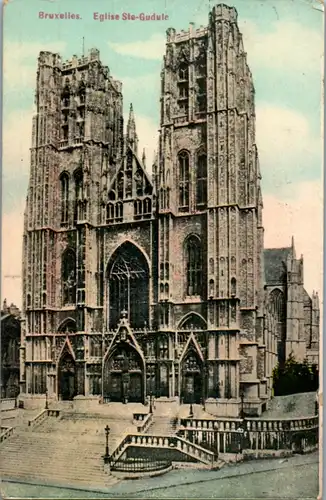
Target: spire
x: 292, y: 247
x: 132, y: 138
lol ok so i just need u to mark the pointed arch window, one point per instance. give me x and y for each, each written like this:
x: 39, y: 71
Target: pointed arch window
x: 79, y: 195
x: 119, y: 211
x: 68, y: 272
x: 138, y: 209
x: 201, y: 194
x: 183, y: 162
x: 128, y: 281
x: 193, y: 251
x: 193, y: 322
x: 64, y: 180
x: 147, y: 208
x: 277, y: 301
x: 109, y: 213
x: 183, y: 88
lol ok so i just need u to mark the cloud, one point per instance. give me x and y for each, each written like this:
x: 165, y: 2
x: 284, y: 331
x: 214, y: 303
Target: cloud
x: 301, y: 216
x: 286, y: 46
x: 289, y: 152
x: 17, y: 137
x: 11, y: 255
x: 152, y: 49
x: 20, y: 63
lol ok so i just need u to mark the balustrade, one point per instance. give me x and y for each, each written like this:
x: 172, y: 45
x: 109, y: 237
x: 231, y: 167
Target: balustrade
x: 6, y: 432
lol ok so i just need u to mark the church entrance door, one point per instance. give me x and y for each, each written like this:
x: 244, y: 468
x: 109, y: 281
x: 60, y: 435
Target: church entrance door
x: 192, y: 379
x: 124, y: 376
x: 67, y: 378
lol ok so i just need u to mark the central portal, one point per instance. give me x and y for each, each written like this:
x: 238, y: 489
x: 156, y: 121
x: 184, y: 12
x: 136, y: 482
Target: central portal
x: 67, y: 377
x: 124, y: 376
x: 192, y: 379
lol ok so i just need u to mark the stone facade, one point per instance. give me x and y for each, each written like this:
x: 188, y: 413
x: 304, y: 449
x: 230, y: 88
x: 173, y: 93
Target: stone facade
x: 297, y: 314
x: 10, y: 342
x: 138, y: 284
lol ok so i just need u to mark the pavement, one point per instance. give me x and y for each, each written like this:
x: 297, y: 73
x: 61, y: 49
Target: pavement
x: 295, y: 477
x: 291, y: 406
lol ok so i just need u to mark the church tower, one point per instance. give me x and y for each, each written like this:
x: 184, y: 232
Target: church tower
x: 77, y: 141
x: 210, y: 215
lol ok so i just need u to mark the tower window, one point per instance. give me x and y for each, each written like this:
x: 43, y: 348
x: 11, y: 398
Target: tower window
x: 183, y: 72
x: 193, y: 251
x: 201, y: 180
x: 201, y: 95
x: 183, y: 88
x: 183, y: 161
x: 69, y: 277
x: 64, y: 179
x: 79, y: 195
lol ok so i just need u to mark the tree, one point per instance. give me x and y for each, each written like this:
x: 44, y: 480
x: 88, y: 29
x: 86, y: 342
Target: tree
x: 294, y: 377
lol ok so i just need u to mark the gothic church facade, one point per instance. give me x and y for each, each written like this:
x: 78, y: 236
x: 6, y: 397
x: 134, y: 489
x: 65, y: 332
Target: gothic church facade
x: 138, y: 284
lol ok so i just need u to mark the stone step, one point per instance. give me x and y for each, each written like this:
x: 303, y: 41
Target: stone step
x: 105, y: 482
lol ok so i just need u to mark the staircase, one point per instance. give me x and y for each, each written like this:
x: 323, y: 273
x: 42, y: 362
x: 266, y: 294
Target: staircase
x: 66, y: 450
x: 162, y: 426
x: 175, y: 444
x: 54, y: 459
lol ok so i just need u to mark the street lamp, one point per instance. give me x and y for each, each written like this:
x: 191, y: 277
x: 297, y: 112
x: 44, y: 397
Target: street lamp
x: 191, y: 411
x: 151, y: 402
x: 107, y: 432
x: 46, y: 400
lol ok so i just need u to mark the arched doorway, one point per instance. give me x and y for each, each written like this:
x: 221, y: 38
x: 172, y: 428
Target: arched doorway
x: 67, y: 377
x: 124, y: 375
x: 128, y: 283
x: 192, y: 378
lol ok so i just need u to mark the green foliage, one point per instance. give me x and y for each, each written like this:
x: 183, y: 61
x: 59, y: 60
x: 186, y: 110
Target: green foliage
x: 294, y: 377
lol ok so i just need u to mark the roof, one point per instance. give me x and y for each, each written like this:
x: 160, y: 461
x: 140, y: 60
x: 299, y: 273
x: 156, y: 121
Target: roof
x: 275, y: 264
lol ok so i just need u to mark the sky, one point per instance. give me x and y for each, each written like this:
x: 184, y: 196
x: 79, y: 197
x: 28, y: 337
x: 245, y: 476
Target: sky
x: 284, y: 44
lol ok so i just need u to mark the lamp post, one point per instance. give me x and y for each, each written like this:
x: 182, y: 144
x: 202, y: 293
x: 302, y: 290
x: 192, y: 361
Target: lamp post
x: 151, y: 402
x: 107, y: 432
x: 46, y: 400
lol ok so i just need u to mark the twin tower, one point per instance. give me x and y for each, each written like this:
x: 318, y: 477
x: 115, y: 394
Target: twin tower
x: 139, y: 283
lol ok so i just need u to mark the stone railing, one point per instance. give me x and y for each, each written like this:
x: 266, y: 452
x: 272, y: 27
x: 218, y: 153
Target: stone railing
x: 222, y: 425
x: 144, y: 424
x: 6, y: 432
x: 286, y: 424
x: 8, y: 404
x: 251, y: 437
x: 193, y: 450
x: 43, y: 415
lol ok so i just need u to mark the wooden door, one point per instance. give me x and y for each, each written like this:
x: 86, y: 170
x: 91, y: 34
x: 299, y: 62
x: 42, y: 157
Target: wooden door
x: 116, y: 387
x: 135, y: 388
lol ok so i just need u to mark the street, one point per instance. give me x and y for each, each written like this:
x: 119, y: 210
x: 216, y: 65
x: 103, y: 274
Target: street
x: 296, y: 477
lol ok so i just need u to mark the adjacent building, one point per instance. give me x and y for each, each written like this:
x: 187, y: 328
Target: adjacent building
x: 10, y: 344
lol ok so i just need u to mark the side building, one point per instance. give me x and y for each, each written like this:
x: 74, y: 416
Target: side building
x: 297, y: 314
x: 10, y: 344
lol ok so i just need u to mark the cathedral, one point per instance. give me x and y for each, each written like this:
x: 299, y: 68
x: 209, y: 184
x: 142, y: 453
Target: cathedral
x: 138, y: 282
